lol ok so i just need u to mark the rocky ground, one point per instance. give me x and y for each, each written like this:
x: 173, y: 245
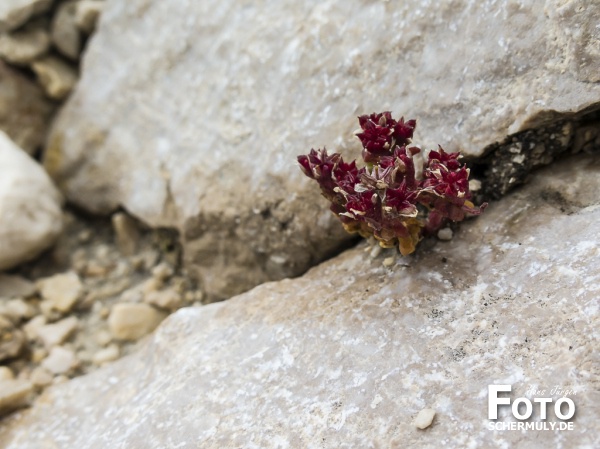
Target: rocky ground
x: 105, y: 285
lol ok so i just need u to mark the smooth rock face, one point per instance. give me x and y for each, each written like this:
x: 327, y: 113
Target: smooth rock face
x: 350, y: 353
x: 24, y: 110
x: 205, y: 107
x: 30, y: 206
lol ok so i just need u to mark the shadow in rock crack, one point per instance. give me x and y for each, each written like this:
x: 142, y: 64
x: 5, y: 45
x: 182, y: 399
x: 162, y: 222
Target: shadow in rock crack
x: 506, y: 165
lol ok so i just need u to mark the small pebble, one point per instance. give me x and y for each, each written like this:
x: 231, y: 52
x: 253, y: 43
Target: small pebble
x: 41, y: 377
x: 389, y: 261
x: 12, y: 286
x: 131, y: 321
x: 60, y: 360
x: 14, y: 393
x: 6, y: 373
x: 126, y: 233
x: 56, y: 333
x: 61, y: 291
x: 107, y: 354
x: 103, y: 337
x: 445, y: 234
x: 375, y: 251
x: 424, y: 418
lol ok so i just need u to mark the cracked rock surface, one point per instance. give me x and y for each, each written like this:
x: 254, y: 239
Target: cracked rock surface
x: 205, y: 112
x: 350, y: 353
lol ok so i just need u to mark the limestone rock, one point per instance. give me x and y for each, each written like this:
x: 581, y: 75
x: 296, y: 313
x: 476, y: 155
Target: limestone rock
x: 30, y: 206
x: 204, y: 109
x: 87, y: 14
x: 65, y: 32
x: 61, y: 291
x: 13, y: 394
x: 57, y: 77
x: 350, y: 353
x: 130, y: 321
x: 14, y: 13
x: 24, y: 46
x: 24, y: 110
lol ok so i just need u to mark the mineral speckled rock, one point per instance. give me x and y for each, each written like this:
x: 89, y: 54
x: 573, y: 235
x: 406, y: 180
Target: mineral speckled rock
x: 204, y: 109
x: 350, y: 353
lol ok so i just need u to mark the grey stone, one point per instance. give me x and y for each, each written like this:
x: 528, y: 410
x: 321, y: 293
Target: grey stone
x: 14, y: 13
x: 24, y: 46
x: 56, y: 76
x: 204, y: 109
x: 65, y: 32
x: 24, y: 110
x: 350, y: 353
x: 30, y: 206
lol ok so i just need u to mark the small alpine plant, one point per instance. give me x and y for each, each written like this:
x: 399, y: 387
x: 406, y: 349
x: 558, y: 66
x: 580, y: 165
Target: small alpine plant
x: 387, y: 198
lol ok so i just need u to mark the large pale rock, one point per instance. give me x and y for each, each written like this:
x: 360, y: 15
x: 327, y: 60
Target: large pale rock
x: 24, y: 110
x: 30, y: 206
x: 350, y: 354
x: 204, y: 108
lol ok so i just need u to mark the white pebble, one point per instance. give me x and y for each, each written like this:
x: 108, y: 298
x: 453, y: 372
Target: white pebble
x: 424, y: 418
x: 445, y: 234
x: 389, y: 261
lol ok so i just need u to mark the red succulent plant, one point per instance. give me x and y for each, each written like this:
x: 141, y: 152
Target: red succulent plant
x: 386, y: 199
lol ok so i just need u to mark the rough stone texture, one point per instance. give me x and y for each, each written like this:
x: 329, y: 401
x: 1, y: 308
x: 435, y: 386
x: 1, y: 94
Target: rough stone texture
x: 30, y: 206
x: 205, y: 107
x: 24, y: 110
x: 349, y: 354
x: 14, y: 13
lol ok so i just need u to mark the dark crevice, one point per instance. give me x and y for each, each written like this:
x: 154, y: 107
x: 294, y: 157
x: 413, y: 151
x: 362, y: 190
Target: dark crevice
x: 508, y: 164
